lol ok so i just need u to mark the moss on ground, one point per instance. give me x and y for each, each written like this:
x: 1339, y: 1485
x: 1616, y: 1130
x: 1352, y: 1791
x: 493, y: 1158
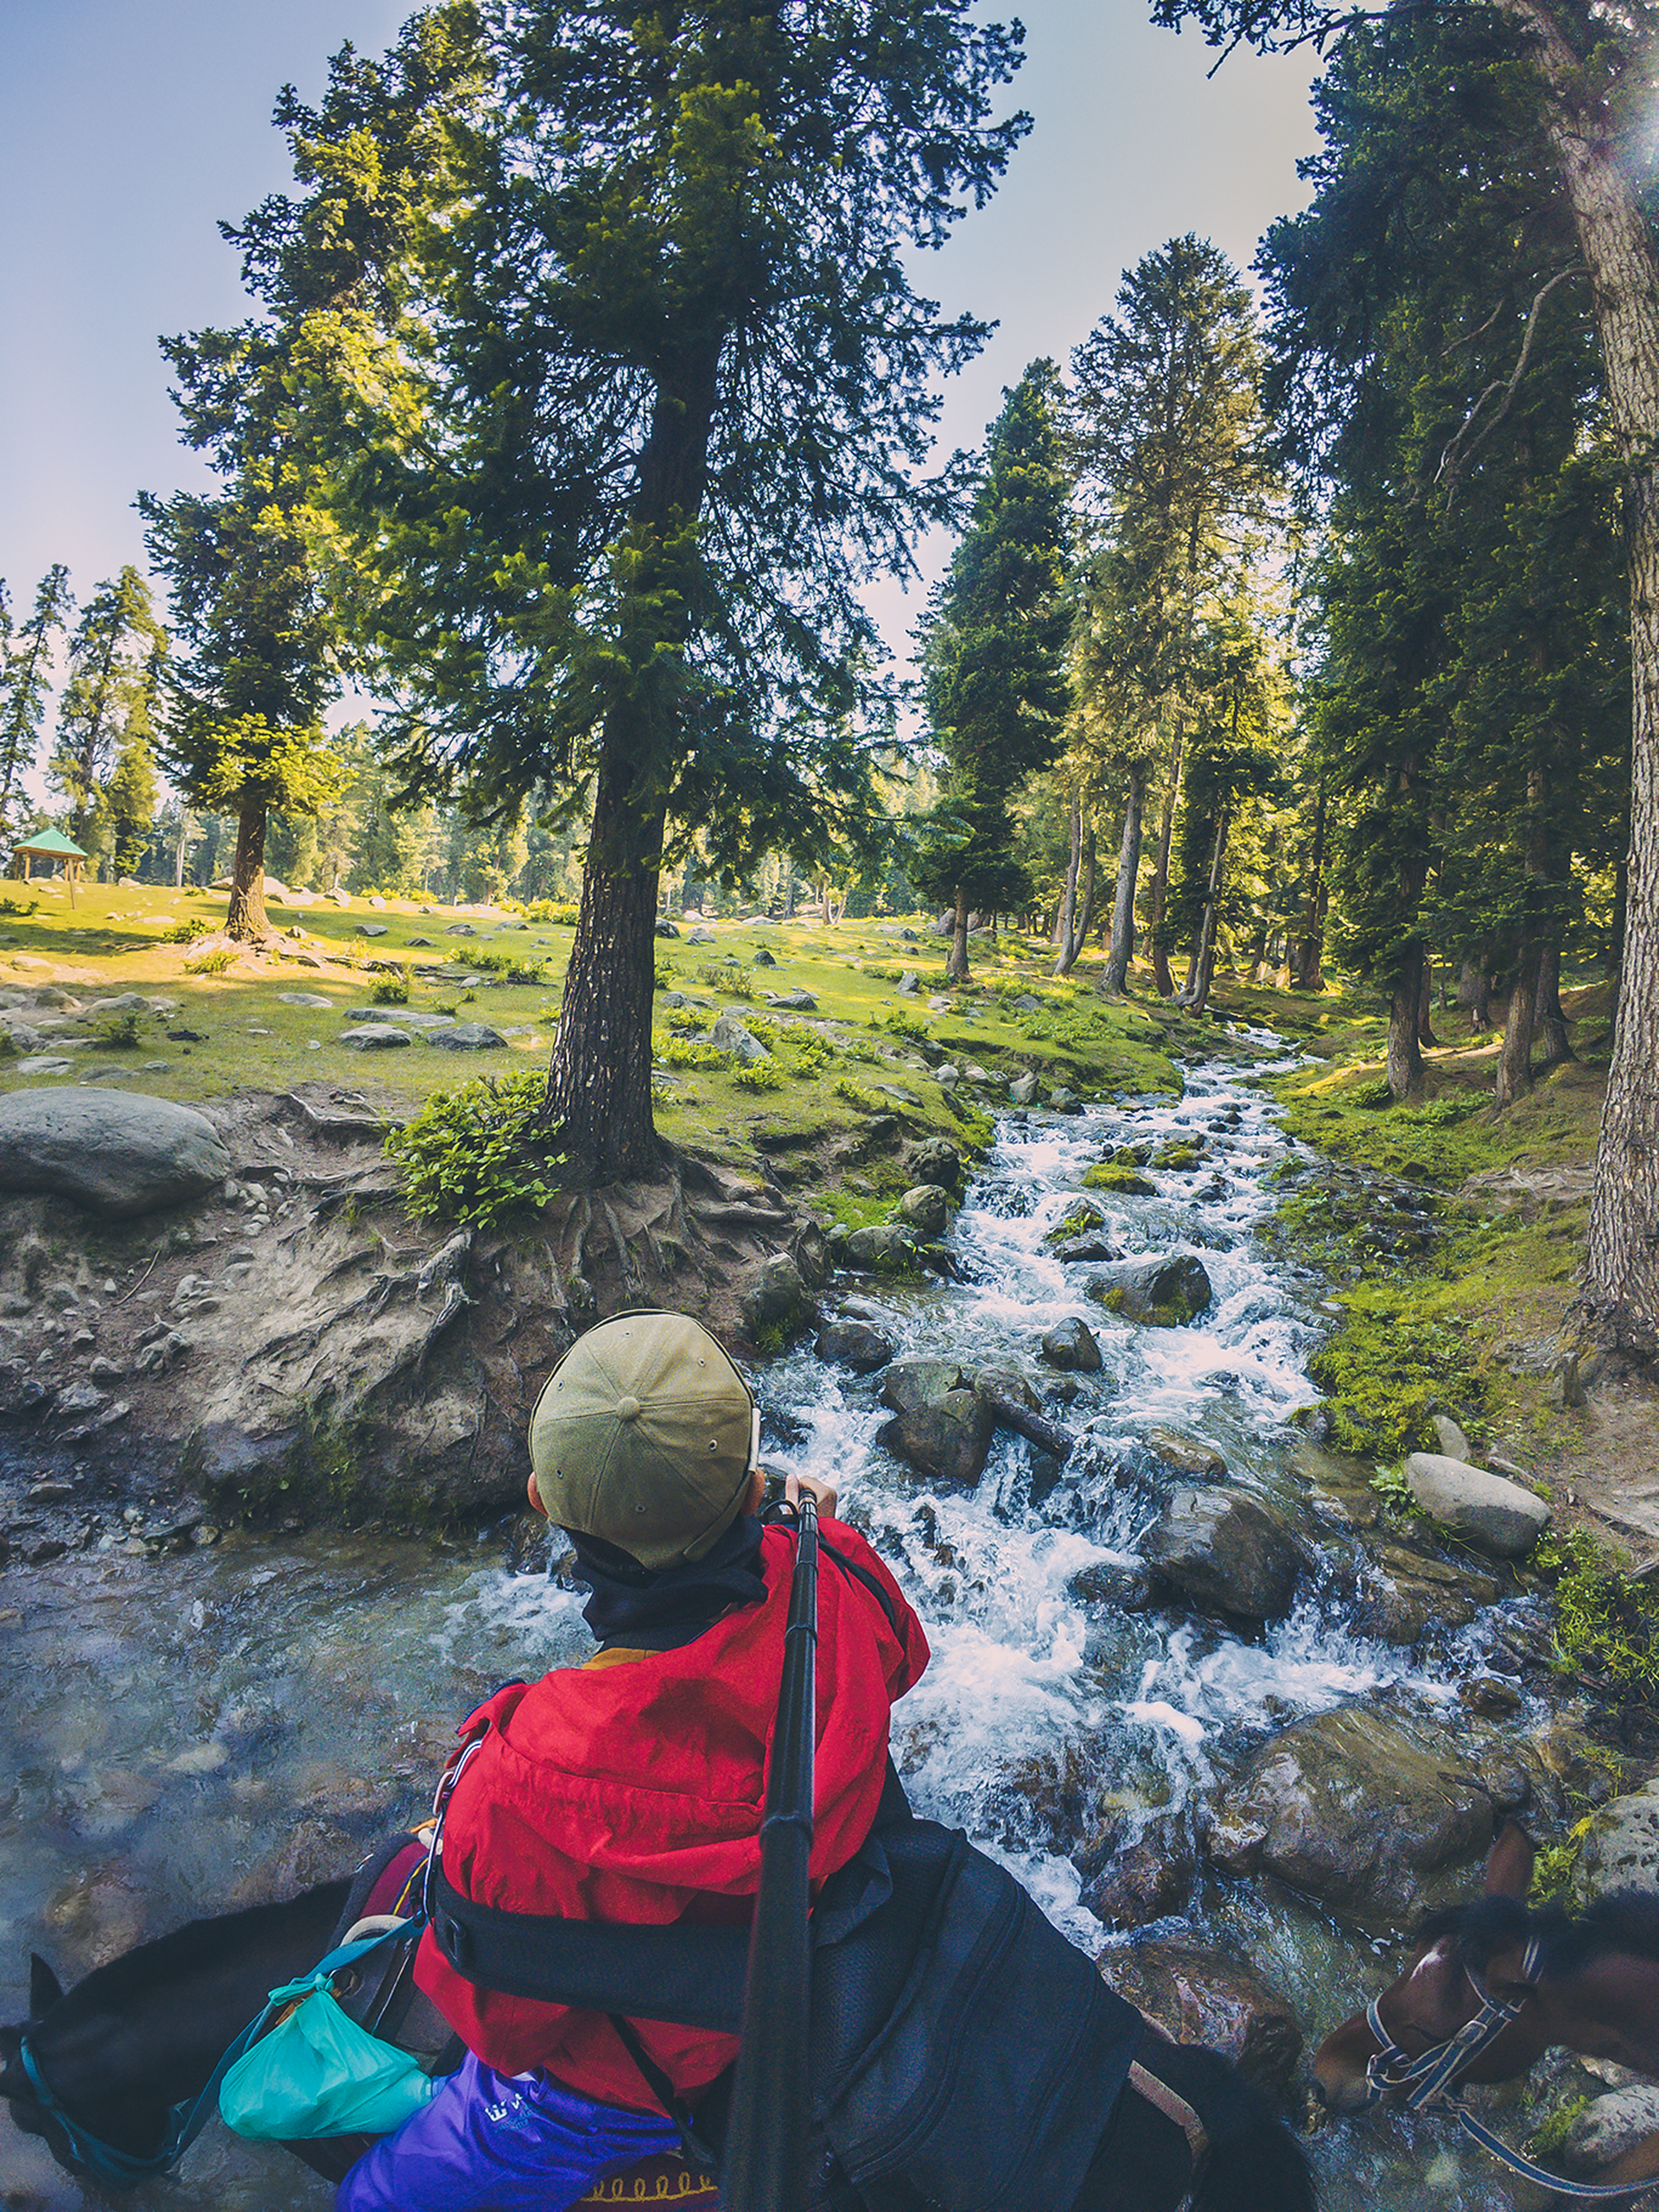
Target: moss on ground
x: 1450, y: 1237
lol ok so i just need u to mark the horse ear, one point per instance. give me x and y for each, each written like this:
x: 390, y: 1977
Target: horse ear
x: 44, y: 1988
x: 1508, y: 1865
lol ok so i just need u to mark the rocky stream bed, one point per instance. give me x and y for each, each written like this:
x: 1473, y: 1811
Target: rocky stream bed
x: 1232, y: 1724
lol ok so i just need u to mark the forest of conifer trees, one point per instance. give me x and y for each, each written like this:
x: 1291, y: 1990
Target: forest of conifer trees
x: 1287, y: 631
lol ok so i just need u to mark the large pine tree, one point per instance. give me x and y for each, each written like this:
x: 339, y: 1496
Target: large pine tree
x: 625, y: 391
x: 1172, y: 467
x: 25, y: 687
x: 993, y: 651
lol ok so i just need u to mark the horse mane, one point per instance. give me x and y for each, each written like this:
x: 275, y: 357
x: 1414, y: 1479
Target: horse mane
x: 199, y: 1944
x: 1624, y: 1921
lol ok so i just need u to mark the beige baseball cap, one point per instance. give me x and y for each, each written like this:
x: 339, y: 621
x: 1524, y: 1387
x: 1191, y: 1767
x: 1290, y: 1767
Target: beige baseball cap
x: 645, y: 1436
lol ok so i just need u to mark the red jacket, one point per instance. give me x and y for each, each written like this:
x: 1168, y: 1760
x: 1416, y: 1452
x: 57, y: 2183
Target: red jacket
x: 630, y: 1789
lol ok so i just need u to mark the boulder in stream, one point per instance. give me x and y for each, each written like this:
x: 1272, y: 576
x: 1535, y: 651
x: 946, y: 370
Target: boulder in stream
x: 1204, y: 1997
x: 1606, y: 2129
x: 940, y: 1425
x: 881, y: 1248
x: 1496, y: 1515
x: 1071, y: 1347
x: 116, y: 1155
x: 1359, y: 1809
x: 1160, y: 1293
x: 1025, y: 1089
x: 1186, y: 1455
x: 857, y: 1344
x: 1225, y: 1554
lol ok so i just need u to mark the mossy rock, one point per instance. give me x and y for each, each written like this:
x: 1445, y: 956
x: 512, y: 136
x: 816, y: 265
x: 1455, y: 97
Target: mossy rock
x: 1179, y: 1155
x: 1127, y: 1182
x: 1132, y: 1155
x: 1079, y: 1218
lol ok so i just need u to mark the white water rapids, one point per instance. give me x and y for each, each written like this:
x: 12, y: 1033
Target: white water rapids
x: 173, y: 1724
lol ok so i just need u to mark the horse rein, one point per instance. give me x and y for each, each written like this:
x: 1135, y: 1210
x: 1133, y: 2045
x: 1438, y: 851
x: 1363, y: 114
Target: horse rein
x: 123, y: 2170
x: 1423, y: 2084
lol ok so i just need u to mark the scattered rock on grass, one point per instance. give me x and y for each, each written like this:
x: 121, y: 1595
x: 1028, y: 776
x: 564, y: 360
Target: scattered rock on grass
x: 1489, y: 1512
x: 729, y: 1035
x: 306, y: 998
x: 466, y: 1037
x: 926, y: 1209
x: 1454, y: 1445
x: 375, y: 1037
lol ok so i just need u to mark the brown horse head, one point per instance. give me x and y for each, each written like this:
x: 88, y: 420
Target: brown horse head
x: 1461, y: 1958
x: 1589, y: 1984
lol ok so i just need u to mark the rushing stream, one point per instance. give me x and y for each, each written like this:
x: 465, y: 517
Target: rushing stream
x: 172, y: 1726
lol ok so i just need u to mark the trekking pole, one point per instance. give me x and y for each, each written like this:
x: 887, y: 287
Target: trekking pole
x: 765, y: 2163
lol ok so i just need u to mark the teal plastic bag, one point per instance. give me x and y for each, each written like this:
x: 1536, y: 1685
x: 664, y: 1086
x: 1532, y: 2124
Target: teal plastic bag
x: 318, y: 2073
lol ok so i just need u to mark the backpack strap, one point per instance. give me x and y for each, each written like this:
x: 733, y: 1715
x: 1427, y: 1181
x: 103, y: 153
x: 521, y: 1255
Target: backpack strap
x: 698, y: 2153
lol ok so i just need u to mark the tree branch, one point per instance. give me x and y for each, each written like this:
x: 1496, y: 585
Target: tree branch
x: 1462, y: 446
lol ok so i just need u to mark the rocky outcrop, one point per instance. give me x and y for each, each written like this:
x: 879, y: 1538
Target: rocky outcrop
x: 1127, y: 1885
x: 857, y: 1344
x: 1225, y: 1554
x: 926, y: 1209
x: 1160, y: 1293
x: 935, y: 1161
x: 1204, y: 1997
x: 1496, y: 1515
x: 1359, y: 1810
x: 1620, y: 1850
x: 775, y: 1300
x: 114, y: 1155
x: 940, y: 1426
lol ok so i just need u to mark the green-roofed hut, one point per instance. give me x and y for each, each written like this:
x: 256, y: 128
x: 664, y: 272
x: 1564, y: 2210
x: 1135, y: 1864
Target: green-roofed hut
x: 51, y: 845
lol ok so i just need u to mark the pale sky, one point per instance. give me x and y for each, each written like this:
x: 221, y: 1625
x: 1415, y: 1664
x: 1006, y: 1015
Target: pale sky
x: 128, y: 128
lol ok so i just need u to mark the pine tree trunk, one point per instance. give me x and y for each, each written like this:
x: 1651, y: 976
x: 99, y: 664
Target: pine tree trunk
x: 1306, y: 962
x: 1405, y: 1060
x: 1204, y: 953
x: 245, y: 920
x: 1090, y: 877
x: 956, y: 968
x: 598, y: 1087
x: 1425, y: 1005
x: 1128, y: 869
x: 1514, y: 1058
x: 1475, y: 991
x: 1622, y: 1256
x: 1549, y: 1018
x: 178, y: 857
x: 1161, y: 875
x: 1064, y: 949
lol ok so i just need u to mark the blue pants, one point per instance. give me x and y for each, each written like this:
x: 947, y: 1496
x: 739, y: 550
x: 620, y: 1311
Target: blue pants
x: 491, y: 2142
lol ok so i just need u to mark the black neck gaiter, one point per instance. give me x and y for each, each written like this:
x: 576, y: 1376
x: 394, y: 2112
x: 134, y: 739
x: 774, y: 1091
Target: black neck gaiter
x: 643, y: 1609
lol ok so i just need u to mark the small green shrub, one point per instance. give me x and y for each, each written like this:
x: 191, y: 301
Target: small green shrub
x: 478, y: 1153
x: 185, y: 933
x: 10, y: 905
x: 763, y: 1076
x: 737, y: 982
x: 120, y: 1032
x: 905, y: 1024
x: 676, y: 1051
x: 1605, y: 1624
x: 865, y: 1101
x: 560, y: 913
x: 809, y: 1049
x: 1390, y: 1484
x: 508, y: 967
x: 214, y: 963
x: 391, y: 990
x: 1552, y: 1868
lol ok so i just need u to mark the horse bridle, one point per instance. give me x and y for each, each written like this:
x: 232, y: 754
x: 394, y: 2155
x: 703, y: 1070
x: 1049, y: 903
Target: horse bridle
x: 1424, y: 2083
x: 105, y: 2162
